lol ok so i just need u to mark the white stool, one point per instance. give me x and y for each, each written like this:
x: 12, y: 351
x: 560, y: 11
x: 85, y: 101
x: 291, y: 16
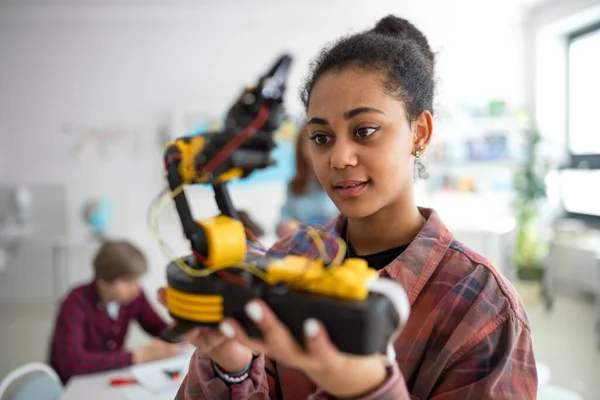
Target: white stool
x: 544, y: 375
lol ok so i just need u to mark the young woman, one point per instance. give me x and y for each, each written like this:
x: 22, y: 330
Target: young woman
x: 306, y: 201
x: 369, y: 108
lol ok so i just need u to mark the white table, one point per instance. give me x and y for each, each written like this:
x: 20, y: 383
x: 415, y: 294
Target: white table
x: 97, y: 386
x: 492, y: 238
x: 573, y: 264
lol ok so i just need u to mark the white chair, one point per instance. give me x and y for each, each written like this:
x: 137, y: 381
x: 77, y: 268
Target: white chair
x: 553, y: 392
x: 544, y: 375
x: 31, y: 381
x: 547, y: 391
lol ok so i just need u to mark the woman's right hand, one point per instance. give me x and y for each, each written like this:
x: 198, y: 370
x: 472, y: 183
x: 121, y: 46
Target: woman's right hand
x: 229, y: 354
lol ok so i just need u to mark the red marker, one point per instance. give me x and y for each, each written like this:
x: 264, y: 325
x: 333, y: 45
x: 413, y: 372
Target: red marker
x: 122, y: 381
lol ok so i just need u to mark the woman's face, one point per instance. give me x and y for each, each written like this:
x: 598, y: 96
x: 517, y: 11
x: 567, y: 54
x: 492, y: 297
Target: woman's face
x: 362, y: 142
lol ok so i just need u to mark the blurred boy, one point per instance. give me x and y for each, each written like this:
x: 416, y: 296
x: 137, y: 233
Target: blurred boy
x: 93, y: 319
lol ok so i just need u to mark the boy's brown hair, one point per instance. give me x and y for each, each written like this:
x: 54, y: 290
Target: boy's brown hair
x: 119, y: 260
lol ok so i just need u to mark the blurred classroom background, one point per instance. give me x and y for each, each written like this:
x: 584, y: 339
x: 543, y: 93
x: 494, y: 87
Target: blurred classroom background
x: 91, y: 90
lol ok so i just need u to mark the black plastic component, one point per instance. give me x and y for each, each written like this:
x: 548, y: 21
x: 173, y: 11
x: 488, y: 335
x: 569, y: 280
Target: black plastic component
x: 175, y: 181
x: 235, y: 296
x: 269, y: 90
x: 174, y: 333
x: 224, y: 201
x: 263, y: 102
x: 253, y: 154
x: 355, y: 327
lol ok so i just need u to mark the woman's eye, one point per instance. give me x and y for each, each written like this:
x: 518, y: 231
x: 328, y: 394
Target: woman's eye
x: 366, y: 131
x: 320, y: 139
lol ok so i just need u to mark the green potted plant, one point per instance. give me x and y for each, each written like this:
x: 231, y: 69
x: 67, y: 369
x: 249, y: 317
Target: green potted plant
x: 530, y: 189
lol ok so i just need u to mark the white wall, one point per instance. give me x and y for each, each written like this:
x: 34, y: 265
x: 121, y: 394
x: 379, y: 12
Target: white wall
x: 127, y: 64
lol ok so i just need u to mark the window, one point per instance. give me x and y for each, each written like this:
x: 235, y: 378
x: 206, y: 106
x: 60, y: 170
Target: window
x: 583, y: 93
x: 579, y: 192
x: 579, y: 182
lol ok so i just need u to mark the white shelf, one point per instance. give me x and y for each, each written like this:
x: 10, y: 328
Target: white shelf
x: 11, y: 232
x: 486, y: 123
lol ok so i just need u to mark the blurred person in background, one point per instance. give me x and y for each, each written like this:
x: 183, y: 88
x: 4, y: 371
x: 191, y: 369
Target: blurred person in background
x: 306, y: 202
x: 93, y: 320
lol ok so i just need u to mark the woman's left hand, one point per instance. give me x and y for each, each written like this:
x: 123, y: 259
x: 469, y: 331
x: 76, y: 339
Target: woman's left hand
x: 338, y: 374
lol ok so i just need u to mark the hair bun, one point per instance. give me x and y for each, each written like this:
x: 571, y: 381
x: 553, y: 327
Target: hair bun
x: 402, y: 29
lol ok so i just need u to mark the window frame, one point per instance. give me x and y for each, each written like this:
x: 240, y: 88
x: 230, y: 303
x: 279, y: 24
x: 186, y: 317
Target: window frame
x: 591, y: 220
x: 576, y: 161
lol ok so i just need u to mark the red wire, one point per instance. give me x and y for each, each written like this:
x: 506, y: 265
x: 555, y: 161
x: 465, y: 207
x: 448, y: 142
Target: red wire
x: 169, y: 159
x: 224, y: 274
x: 232, y: 278
x: 251, y: 129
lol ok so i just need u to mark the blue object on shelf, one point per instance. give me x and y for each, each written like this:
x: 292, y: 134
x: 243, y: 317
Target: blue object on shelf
x: 98, y: 215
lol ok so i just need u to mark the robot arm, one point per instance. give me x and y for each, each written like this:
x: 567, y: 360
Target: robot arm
x: 362, y: 314
x: 243, y: 146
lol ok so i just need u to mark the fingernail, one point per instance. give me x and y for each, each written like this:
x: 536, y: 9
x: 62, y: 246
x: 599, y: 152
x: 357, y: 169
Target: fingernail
x: 227, y: 330
x: 254, y: 311
x: 311, y: 327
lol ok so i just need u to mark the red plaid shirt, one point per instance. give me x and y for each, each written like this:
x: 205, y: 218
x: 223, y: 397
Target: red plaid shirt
x: 467, y: 337
x: 87, y: 340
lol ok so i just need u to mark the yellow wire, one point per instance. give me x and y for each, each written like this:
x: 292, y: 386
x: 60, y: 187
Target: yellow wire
x: 316, y: 237
x: 178, y: 261
x: 337, y: 260
x: 339, y: 257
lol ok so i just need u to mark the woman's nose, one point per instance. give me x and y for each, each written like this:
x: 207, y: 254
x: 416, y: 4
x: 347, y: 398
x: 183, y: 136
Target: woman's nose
x: 343, y: 155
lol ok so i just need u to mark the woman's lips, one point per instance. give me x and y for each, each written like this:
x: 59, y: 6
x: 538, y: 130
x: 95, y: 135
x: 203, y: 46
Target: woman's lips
x: 349, y: 188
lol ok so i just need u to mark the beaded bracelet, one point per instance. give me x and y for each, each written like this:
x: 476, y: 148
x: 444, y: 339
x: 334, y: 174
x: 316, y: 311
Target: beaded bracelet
x: 235, y: 377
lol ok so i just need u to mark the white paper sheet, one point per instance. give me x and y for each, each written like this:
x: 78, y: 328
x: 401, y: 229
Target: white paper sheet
x: 154, y: 376
x: 141, y: 393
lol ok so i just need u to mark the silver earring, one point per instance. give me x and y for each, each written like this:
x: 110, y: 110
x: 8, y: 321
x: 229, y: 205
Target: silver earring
x: 417, y: 154
x: 421, y: 147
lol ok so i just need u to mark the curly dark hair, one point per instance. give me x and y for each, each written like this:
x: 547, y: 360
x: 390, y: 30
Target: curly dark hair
x: 395, y: 48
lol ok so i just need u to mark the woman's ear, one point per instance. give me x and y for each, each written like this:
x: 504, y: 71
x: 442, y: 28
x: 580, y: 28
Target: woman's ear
x: 422, y: 130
